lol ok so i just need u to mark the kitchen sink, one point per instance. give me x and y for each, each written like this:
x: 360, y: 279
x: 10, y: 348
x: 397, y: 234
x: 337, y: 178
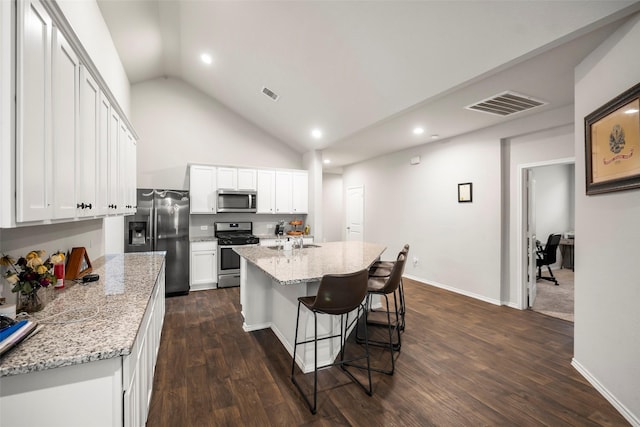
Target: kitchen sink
x: 308, y: 246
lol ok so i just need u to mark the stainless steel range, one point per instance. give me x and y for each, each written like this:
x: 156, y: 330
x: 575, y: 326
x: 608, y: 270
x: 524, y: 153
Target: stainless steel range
x: 230, y: 235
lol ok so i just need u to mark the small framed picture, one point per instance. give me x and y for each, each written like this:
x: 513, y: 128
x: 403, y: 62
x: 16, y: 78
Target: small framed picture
x: 612, y: 144
x: 465, y: 192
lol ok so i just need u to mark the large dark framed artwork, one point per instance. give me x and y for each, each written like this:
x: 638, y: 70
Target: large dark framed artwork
x: 612, y: 143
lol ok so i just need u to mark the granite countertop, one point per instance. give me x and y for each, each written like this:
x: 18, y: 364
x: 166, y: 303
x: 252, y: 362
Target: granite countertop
x: 85, y: 323
x: 203, y: 239
x: 310, y: 264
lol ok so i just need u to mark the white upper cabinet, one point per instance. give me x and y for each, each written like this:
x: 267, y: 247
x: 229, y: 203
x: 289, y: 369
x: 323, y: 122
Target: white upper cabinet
x: 227, y: 178
x: 266, y: 190
x: 64, y: 98
x: 284, y: 196
x: 202, y: 187
x: 66, y: 163
x: 247, y: 179
x: 236, y: 179
x: 300, y: 192
x: 89, y: 122
x: 102, y: 152
x: 33, y: 113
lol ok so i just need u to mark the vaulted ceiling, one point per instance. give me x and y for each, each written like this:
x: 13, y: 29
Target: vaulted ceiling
x: 366, y: 73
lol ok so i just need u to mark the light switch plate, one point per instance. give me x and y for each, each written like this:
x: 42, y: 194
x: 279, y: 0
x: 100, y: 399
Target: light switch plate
x: 204, y: 227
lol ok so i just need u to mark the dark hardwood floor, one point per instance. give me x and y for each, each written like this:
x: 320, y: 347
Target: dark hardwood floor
x: 463, y: 363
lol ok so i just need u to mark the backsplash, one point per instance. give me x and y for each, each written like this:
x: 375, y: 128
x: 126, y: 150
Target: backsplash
x: 262, y: 223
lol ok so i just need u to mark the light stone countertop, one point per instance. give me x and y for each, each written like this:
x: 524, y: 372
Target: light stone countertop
x: 96, y: 321
x: 310, y: 264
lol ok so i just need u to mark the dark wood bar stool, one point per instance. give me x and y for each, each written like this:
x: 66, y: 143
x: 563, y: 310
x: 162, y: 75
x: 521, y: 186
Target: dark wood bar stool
x: 385, y: 286
x: 382, y: 269
x: 338, y: 294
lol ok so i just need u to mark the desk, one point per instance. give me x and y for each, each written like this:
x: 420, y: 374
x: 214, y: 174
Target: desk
x: 567, y: 252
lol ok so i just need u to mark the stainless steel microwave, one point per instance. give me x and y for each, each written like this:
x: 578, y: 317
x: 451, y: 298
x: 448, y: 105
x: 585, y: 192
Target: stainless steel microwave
x: 237, y: 201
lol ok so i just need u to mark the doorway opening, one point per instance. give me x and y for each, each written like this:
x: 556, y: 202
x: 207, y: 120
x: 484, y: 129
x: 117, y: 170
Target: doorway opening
x: 548, y: 208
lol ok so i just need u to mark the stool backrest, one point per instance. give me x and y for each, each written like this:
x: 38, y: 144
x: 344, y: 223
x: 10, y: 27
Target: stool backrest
x: 341, y: 293
x: 393, y: 281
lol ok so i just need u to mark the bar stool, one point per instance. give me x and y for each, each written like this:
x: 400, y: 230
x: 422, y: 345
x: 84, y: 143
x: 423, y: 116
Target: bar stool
x: 386, y: 286
x: 338, y: 294
x: 382, y: 269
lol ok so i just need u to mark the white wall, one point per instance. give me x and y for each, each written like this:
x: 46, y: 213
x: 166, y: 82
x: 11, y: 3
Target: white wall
x: 333, y: 213
x: 550, y: 142
x: 178, y: 124
x: 457, y: 244
x: 607, y: 291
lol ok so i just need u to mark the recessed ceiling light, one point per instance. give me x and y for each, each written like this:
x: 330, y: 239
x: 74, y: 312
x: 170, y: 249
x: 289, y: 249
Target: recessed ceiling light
x: 206, y: 58
x: 316, y: 133
x: 418, y: 131
x: 631, y: 111
x: 327, y: 161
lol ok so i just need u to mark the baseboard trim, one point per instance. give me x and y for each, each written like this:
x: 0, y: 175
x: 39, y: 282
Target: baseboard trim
x: 456, y: 290
x: 633, y: 420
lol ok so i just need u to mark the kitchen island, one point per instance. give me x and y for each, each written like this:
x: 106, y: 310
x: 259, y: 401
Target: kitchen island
x: 271, y: 280
x: 92, y: 361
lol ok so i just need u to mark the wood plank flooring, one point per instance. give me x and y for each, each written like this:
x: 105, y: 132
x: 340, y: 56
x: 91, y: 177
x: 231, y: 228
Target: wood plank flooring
x: 463, y: 362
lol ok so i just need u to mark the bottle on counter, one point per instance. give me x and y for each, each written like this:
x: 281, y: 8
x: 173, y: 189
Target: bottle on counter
x: 306, y: 230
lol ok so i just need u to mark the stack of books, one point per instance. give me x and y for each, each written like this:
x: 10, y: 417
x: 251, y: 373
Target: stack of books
x: 12, y: 332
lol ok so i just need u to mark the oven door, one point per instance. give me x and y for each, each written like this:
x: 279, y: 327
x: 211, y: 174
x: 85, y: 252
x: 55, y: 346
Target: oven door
x: 228, y: 266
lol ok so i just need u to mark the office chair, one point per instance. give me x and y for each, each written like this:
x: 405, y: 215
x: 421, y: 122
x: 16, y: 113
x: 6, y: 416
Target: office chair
x: 547, y: 256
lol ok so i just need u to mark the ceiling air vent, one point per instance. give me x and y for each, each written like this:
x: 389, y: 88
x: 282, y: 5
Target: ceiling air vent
x: 271, y: 94
x: 505, y: 104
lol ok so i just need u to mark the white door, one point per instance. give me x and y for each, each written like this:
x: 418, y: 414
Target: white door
x: 202, y: 187
x: 355, y: 213
x: 531, y: 236
x: 266, y: 191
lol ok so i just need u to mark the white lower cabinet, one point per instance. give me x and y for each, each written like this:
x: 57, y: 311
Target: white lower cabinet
x: 203, y: 265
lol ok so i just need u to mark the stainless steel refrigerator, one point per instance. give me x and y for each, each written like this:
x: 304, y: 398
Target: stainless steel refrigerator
x: 161, y: 223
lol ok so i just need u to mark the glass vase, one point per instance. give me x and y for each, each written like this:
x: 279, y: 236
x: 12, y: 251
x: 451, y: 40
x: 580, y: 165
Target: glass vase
x: 29, y: 303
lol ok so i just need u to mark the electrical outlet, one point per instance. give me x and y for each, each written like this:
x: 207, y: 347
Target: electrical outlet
x: 415, y: 261
x: 204, y: 227
x: 270, y: 226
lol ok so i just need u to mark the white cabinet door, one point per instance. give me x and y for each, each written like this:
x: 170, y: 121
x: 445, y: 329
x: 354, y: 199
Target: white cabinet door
x: 300, y: 192
x: 131, y: 172
x: 202, y: 188
x: 123, y: 197
x: 102, y: 153
x: 65, y: 86
x: 33, y: 144
x: 227, y: 178
x: 284, y: 197
x: 113, y: 158
x: 204, y: 266
x: 266, y: 191
x: 87, y: 143
x: 247, y: 179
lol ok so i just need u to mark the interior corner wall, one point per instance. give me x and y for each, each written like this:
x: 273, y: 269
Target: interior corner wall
x: 312, y: 162
x: 178, y: 124
x: 607, y: 291
x: 333, y: 218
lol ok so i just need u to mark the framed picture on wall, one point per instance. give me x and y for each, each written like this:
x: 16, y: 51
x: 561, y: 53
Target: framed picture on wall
x: 465, y: 192
x: 612, y: 144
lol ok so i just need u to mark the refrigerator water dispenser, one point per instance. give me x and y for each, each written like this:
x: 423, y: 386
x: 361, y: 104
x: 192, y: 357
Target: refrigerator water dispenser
x: 137, y: 233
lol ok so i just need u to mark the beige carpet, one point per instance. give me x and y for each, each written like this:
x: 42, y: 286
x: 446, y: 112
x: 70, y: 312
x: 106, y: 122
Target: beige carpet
x: 556, y: 301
